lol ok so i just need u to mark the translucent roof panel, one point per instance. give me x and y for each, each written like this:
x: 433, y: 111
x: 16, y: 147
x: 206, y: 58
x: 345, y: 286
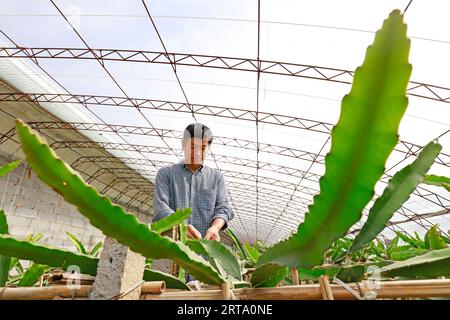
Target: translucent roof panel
x: 139, y: 72
x: 321, y: 33
x: 230, y: 24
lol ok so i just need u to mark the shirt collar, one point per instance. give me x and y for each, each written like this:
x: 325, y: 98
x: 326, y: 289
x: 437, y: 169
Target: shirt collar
x: 186, y: 168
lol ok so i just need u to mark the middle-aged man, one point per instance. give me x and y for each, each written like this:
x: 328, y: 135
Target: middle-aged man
x: 191, y: 184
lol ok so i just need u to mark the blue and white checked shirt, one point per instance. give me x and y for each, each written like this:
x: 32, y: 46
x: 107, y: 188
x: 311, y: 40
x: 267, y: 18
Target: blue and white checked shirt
x: 204, y: 191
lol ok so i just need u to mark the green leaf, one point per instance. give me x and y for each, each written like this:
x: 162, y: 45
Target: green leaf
x: 34, y: 238
x: 63, y: 259
x: 9, y: 167
x: 5, y: 261
x: 433, y: 264
x: 148, y: 262
x: 168, y: 222
x: 376, y: 247
x: 316, y: 272
x: 221, y: 255
x: 410, y: 240
x: 268, y: 275
x: 171, y: 281
x: 183, y: 239
x: 392, y: 246
x: 434, y: 240
x: 103, y: 214
x: 237, y: 243
x: 362, y: 140
x: 407, y: 254
x: 32, y: 275
x: 352, y: 273
x: 47, y: 256
x: 183, y: 232
x: 418, y: 237
x: 357, y: 272
x: 181, y: 274
x: 259, y: 245
x: 287, y: 280
x: 3, y: 223
x: 380, y: 245
x: 251, y: 252
x: 15, y: 264
x: 95, y: 250
x: 446, y: 239
x: 437, y: 181
x: 77, y: 243
x: 398, y: 190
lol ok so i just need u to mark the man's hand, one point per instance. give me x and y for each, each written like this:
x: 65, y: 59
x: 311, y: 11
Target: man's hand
x: 212, y: 233
x: 192, y: 233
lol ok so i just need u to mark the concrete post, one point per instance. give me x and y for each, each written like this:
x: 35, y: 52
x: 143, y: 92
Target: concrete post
x: 119, y: 270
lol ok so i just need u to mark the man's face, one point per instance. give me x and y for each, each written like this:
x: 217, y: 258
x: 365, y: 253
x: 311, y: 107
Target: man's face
x: 195, y: 150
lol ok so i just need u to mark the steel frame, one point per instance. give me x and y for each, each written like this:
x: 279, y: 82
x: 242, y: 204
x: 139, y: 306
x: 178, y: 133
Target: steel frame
x: 418, y: 89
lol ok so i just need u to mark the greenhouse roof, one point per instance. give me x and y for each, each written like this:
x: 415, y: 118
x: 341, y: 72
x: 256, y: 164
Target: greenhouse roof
x: 267, y: 77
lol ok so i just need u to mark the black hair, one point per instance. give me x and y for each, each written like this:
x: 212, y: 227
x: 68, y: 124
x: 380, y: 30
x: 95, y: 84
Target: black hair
x: 194, y: 129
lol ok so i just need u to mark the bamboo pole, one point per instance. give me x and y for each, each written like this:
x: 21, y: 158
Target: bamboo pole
x: 225, y: 288
x: 190, y: 295
x: 48, y: 293
x: 153, y: 287
x: 327, y: 293
x: 65, y: 278
x: 43, y: 293
x: 295, y: 277
x: 387, y: 290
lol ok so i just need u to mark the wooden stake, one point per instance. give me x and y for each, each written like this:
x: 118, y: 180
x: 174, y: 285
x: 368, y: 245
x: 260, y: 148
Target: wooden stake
x: 325, y: 288
x: 225, y: 288
x: 295, y: 276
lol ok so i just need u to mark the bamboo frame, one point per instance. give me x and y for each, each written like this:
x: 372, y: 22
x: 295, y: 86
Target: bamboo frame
x: 150, y: 291
x: 387, y: 290
x: 62, y: 291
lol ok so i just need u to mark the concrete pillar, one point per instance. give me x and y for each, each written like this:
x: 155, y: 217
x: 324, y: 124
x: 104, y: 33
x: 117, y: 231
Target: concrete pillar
x: 119, y: 270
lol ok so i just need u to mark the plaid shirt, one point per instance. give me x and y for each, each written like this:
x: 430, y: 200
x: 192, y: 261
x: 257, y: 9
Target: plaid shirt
x: 204, y: 191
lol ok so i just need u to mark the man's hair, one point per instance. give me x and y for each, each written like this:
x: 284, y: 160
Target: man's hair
x: 198, y: 130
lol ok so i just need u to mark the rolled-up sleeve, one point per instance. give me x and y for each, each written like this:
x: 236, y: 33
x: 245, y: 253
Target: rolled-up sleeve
x: 222, y: 208
x: 161, y: 196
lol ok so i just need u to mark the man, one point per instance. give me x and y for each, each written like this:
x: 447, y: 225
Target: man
x: 191, y: 184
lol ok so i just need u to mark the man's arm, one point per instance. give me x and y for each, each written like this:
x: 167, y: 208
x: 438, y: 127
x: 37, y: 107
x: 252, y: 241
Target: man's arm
x: 161, y: 195
x: 222, y: 212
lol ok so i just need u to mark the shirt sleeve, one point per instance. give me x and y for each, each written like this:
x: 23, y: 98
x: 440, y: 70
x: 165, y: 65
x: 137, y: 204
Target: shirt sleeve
x: 161, y: 196
x: 222, y: 208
